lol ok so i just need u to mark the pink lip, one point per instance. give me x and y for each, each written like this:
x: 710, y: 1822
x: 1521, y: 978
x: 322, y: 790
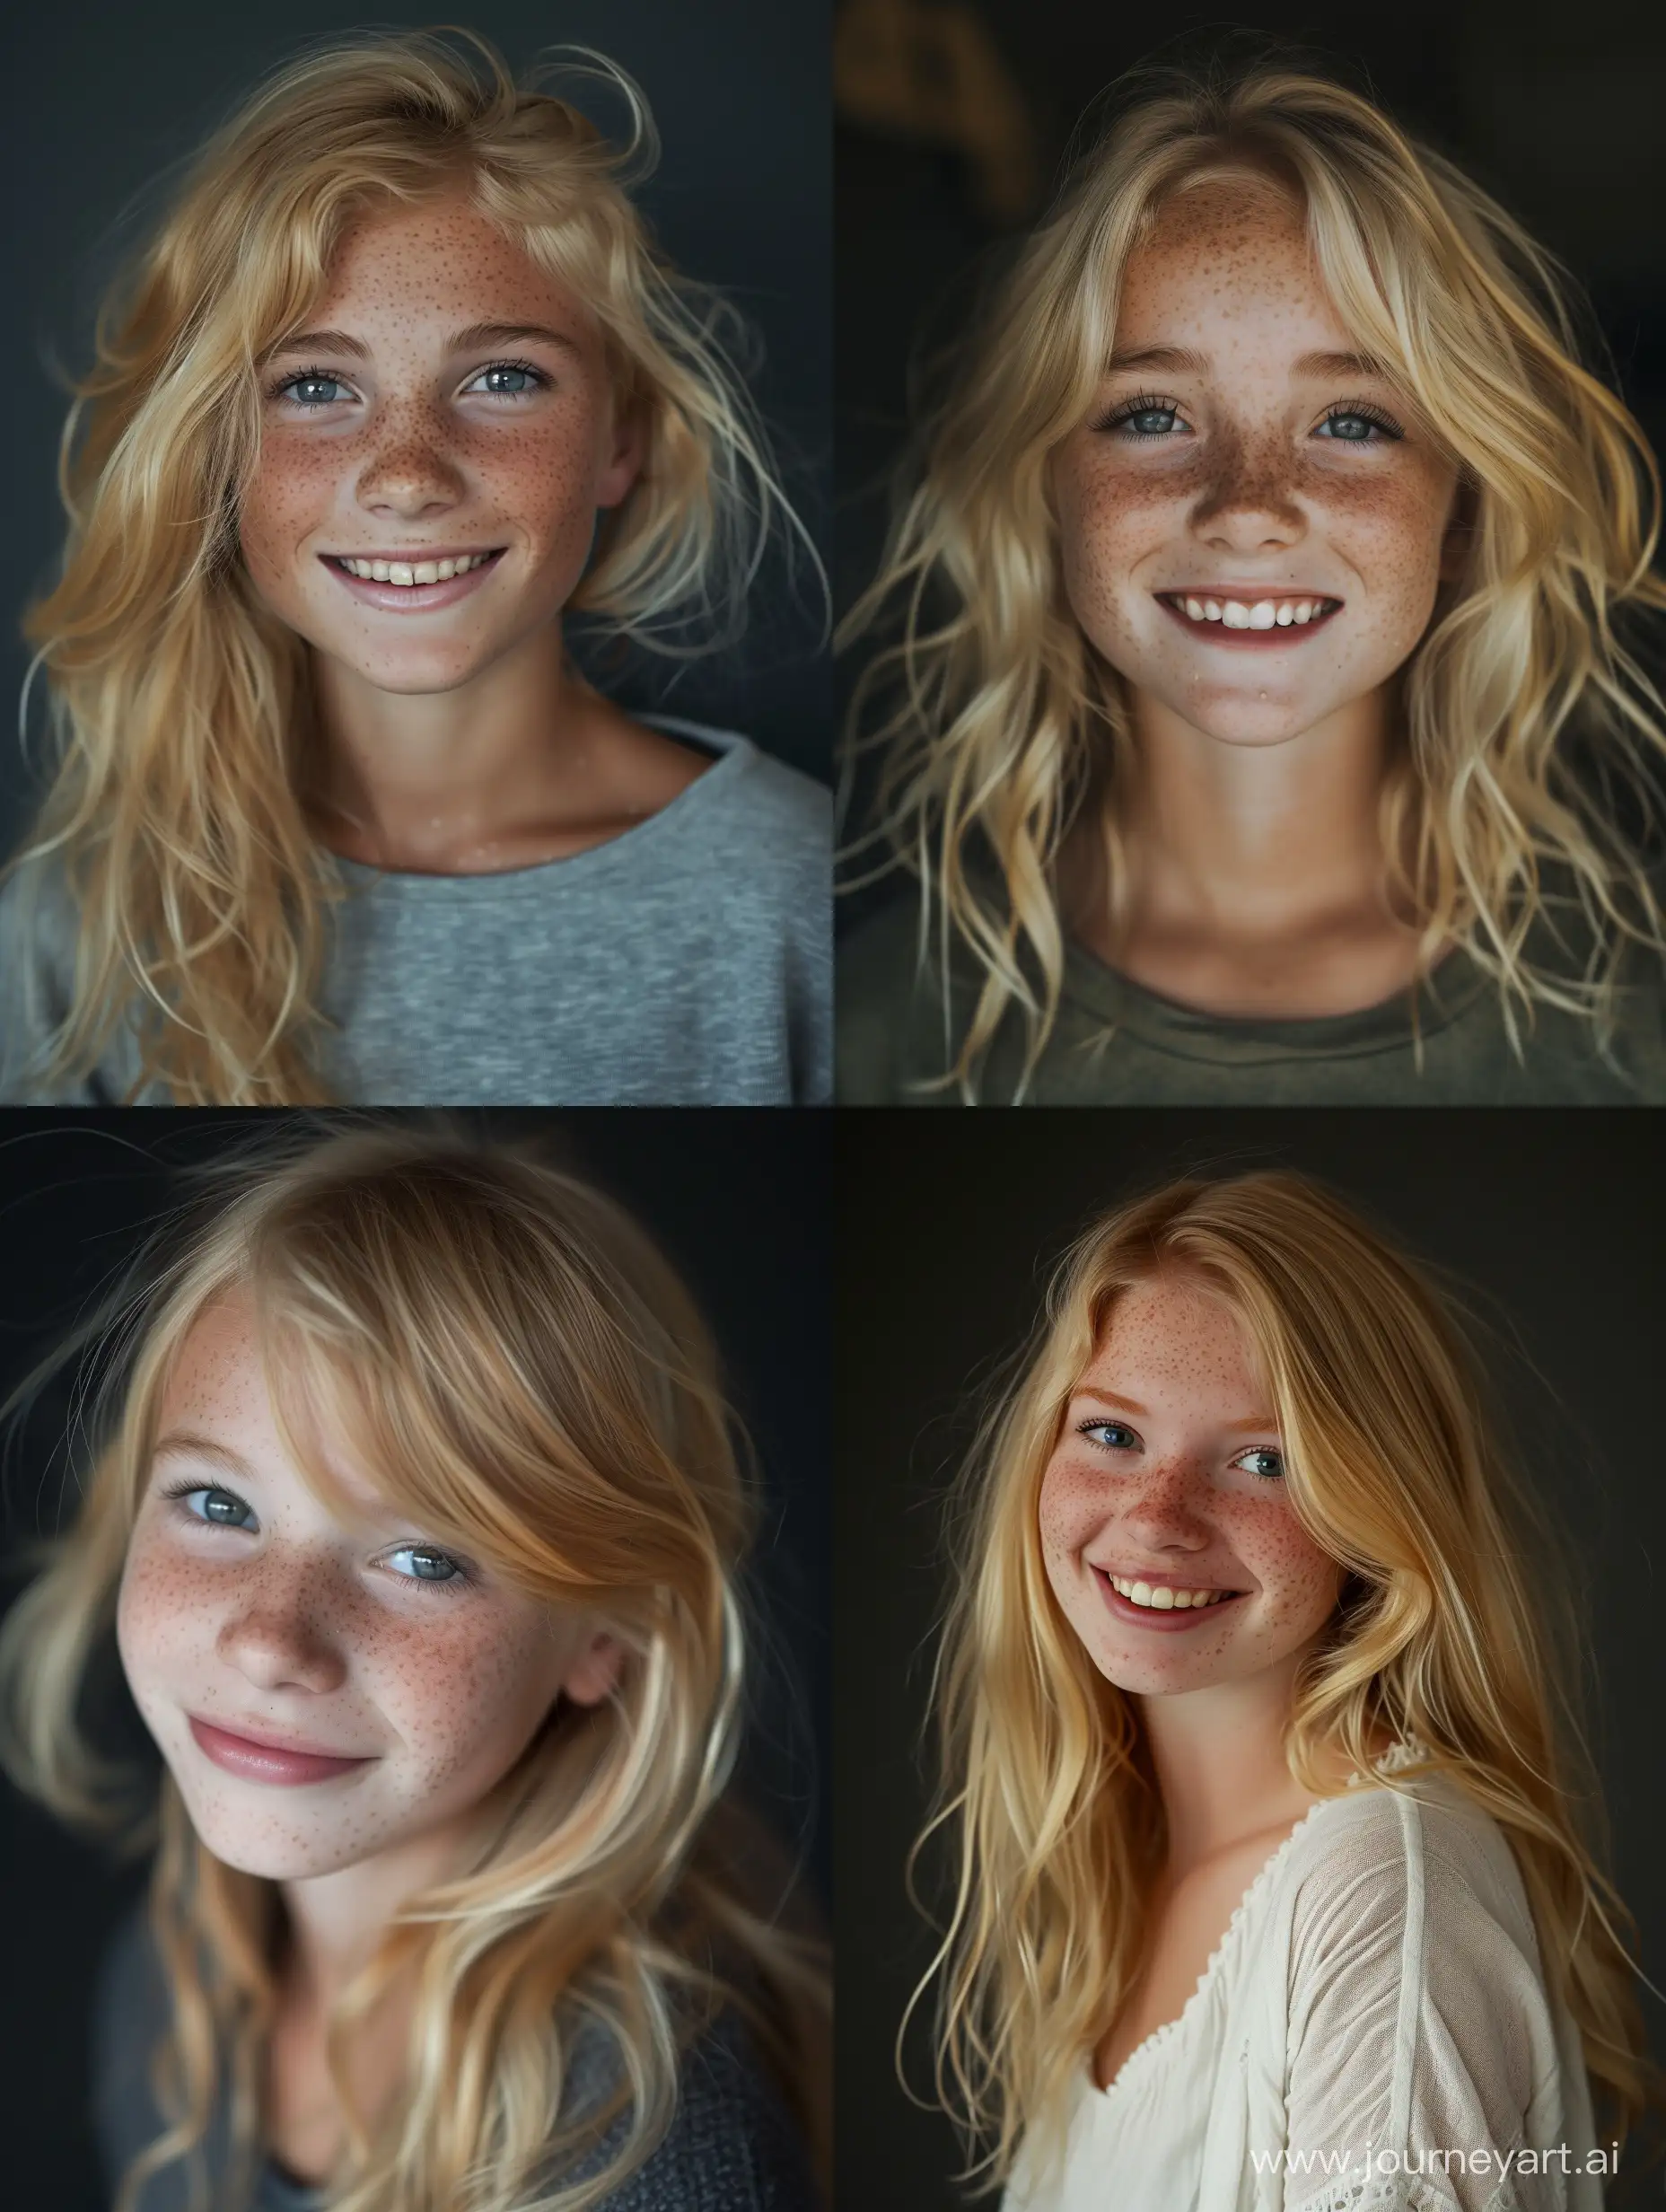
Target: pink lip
x: 1259, y: 641
x: 1161, y: 1623
x: 412, y: 598
x: 266, y: 1762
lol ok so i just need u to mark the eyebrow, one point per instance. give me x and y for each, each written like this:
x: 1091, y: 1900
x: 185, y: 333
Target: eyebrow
x: 184, y: 1444
x: 1260, y: 1424
x: 478, y: 334
x: 1182, y: 359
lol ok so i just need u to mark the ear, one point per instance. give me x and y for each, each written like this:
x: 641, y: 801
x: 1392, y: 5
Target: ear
x: 595, y: 1669
x: 624, y: 464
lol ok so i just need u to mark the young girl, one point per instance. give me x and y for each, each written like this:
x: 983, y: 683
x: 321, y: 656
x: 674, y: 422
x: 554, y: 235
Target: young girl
x: 1269, y: 1887
x: 400, y: 382
x: 415, y: 1511
x: 1261, y: 727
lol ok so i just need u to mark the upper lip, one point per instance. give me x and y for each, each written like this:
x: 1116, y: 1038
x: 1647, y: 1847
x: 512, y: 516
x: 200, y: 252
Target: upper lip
x: 415, y: 553
x: 268, y: 1742
x: 1165, y: 1578
x: 1251, y: 591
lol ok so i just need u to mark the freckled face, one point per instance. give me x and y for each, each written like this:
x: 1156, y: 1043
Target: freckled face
x: 300, y: 1628
x: 415, y: 445
x: 1237, y: 450
x: 1169, y: 1460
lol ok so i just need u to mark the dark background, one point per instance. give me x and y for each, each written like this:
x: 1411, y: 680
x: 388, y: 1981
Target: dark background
x: 948, y: 1225
x: 104, y: 95
x: 1555, y: 111
x: 737, y: 1201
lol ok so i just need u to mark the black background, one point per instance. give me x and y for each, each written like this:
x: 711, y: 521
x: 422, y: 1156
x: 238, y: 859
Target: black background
x: 948, y: 1224
x: 102, y: 97
x: 737, y: 1201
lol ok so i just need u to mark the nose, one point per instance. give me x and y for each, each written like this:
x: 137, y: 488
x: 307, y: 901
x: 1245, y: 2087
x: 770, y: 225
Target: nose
x: 279, y: 1636
x: 1248, y: 504
x: 410, y: 475
x: 1161, y: 1511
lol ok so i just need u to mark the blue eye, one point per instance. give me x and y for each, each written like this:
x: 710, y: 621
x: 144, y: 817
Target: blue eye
x: 427, y: 1564
x: 221, y: 1509
x: 1273, y: 1472
x: 1144, y: 417
x: 1357, y: 426
x: 1109, y: 1436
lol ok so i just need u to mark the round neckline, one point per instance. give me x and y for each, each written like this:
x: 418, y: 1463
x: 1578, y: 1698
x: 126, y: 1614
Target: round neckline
x: 1396, y: 1755
x: 729, y: 748
x: 1193, y: 1032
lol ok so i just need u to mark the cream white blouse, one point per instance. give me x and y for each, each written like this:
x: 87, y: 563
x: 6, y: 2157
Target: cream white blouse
x: 1373, y: 2034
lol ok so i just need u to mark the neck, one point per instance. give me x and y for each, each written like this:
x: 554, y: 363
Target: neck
x: 336, y: 1920
x: 447, y: 782
x: 1219, y: 1758
x: 1259, y: 840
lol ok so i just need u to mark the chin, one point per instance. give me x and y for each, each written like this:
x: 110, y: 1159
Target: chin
x: 255, y: 1849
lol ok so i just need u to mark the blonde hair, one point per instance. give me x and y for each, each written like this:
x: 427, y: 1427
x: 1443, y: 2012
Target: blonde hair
x: 182, y: 709
x: 1005, y: 728
x: 507, y: 1356
x: 1456, y: 1632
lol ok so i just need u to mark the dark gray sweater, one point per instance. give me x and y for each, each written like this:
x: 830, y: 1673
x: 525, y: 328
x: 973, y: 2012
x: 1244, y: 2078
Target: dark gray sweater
x: 732, y: 2146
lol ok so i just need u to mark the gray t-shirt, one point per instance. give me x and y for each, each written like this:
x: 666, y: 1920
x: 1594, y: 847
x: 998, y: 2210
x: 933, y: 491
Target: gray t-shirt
x: 686, y: 963
x: 732, y: 2146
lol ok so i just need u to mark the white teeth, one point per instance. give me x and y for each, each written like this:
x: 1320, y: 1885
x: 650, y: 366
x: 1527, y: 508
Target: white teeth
x: 419, y: 572
x: 1261, y: 614
x: 1161, y: 1599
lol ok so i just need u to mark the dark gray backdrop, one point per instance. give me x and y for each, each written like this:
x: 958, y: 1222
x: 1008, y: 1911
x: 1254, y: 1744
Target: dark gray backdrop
x: 947, y: 1225
x: 737, y: 1200
x: 101, y: 96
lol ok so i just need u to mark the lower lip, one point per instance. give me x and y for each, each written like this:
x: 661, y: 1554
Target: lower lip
x: 1170, y: 1621
x: 414, y: 598
x: 262, y: 1762
x: 1256, y: 641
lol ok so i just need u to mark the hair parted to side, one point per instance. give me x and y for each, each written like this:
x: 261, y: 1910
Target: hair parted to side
x: 181, y: 709
x: 506, y: 1355
x: 1526, y: 721
x: 1457, y: 1628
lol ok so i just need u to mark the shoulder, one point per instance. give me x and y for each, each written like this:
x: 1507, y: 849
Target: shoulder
x: 1419, y: 1882
x: 732, y: 2145
x: 131, y: 2013
x: 753, y: 787
x: 890, y: 1002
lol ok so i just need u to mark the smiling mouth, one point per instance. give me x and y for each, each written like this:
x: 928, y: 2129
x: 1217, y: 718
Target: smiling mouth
x: 1236, y: 615
x: 412, y: 576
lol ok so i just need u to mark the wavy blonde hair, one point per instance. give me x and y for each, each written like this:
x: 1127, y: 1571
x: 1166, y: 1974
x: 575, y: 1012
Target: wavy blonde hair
x: 1457, y: 1630
x: 506, y: 1355
x: 1524, y: 717
x: 181, y: 709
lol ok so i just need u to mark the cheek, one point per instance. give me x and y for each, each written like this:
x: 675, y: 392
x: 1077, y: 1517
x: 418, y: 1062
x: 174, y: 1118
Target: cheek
x: 165, y: 1616
x: 465, y: 1697
x: 1071, y: 1506
x: 1300, y: 1582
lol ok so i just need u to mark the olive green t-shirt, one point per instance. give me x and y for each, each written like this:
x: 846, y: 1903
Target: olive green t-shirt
x: 1116, y: 1044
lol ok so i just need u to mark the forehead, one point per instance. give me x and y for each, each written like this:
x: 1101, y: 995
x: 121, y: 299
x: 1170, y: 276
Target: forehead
x: 1170, y: 1335
x: 437, y: 263
x: 217, y: 1389
x: 1227, y: 261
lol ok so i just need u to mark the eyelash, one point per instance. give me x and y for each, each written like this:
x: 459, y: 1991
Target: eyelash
x: 326, y: 376
x: 1084, y: 1428
x: 458, y: 1581
x: 1149, y: 403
